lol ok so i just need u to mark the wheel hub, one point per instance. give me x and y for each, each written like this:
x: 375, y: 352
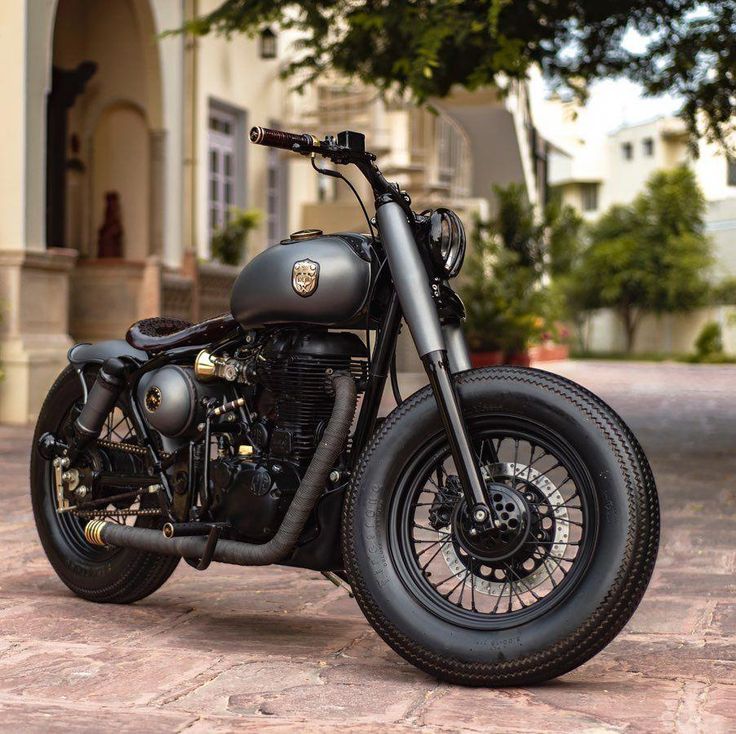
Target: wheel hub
x: 532, y: 488
x: 506, y: 532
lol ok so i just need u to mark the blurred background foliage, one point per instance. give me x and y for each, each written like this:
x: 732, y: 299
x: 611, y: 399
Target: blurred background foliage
x: 648, y: 257
x: 526, y: 277
x: 681, y: 47
x: 508, y: 299
x: 230, y: 243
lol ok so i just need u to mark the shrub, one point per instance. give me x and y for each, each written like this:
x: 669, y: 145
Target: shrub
x: 229, y: 244
x: 710, y: 341
x: 724, y: 293
x: 507, y: 305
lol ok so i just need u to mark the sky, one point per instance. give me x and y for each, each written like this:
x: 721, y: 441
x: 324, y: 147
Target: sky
x: 616, y: 102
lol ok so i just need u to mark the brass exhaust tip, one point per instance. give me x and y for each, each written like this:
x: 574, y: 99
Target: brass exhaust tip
x: 168, y: 530
x: 93, y: 532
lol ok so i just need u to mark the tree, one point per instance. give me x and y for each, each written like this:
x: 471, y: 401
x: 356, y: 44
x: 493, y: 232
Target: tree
x: 506, y: 302
x: 564, y: 227
x: 564, y: 243
x: 650, y: 256
x: 426, y: 47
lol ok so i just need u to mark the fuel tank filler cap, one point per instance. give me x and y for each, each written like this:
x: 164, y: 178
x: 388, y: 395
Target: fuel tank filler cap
x: 302, y: 234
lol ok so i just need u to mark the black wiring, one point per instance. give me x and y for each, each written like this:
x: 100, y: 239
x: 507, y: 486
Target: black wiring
x: 395, y: 380
x: 337, y: 174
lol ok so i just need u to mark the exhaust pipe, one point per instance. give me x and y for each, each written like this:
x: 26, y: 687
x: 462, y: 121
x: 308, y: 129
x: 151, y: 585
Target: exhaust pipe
x: 100, y: 532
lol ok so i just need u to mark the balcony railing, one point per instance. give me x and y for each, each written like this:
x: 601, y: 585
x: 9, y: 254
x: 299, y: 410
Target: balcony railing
x: 429, y: 153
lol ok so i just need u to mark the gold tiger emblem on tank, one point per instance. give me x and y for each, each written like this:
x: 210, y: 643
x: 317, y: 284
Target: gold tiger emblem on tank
x: 305, y: 277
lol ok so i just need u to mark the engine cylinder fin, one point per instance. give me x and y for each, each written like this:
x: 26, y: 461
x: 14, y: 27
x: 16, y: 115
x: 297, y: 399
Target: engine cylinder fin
x: 303, y: 394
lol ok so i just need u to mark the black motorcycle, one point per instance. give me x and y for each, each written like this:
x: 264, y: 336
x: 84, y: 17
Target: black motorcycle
x: 498, y: 527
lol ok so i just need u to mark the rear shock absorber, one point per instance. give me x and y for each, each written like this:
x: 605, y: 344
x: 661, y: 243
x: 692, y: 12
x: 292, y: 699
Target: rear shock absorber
x: 101, y: 400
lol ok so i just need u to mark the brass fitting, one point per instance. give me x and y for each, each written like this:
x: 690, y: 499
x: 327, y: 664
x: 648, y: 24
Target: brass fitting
x: 93, y: 532
x: 205, y: 366
x: 208, y: 367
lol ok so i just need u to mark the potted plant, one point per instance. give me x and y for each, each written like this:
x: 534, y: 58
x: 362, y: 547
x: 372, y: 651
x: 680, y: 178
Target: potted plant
x: 229, y: 244
x: 507, y: 305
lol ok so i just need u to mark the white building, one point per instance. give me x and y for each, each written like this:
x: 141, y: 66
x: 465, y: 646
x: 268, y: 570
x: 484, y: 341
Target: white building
x: 593, y: 173
x: 96, y: 102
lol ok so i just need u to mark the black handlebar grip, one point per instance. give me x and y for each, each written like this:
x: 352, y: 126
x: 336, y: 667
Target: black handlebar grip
x: 282, y: 139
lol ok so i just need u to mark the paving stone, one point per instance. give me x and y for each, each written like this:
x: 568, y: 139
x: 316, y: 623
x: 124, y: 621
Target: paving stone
x: 40, y: 717
x: 279, y: 650
x: 126, y: 674
x: 719, y: 710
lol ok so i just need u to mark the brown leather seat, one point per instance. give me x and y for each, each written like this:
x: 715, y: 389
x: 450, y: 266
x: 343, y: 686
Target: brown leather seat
x: 160, y: 333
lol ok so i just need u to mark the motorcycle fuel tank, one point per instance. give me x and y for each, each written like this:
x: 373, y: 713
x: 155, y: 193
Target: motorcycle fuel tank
x: 324, y: 280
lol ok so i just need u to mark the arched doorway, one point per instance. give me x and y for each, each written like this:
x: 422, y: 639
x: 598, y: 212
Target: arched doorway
x: 105, y: 157
x: 105, y: 98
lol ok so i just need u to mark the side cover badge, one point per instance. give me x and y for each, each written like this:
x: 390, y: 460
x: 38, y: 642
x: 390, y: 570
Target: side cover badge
x: 305, y: 277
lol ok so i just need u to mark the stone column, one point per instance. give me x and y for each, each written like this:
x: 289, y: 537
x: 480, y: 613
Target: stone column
x: 34, y: 282
x: 157, y: 198
x: 34, y: 330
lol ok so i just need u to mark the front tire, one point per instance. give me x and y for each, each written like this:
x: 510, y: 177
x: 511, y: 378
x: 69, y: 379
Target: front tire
x: 555, y: 584
x: 118, y: 575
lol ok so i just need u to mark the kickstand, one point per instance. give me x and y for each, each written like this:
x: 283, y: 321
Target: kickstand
x: 340, y: 583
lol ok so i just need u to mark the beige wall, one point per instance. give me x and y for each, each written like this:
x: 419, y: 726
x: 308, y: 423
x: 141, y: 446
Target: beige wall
x: 231, y: 72
x: 626, y: 178
x: 666, y: 334
x: 121, y: 163
x: 12, y: 150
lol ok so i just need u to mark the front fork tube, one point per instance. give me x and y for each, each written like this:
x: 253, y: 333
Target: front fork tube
x: 457, y: 347
x: 420, y: 312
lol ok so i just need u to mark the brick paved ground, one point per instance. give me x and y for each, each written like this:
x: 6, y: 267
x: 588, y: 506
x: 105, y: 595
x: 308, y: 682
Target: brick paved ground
x: 273, y: 650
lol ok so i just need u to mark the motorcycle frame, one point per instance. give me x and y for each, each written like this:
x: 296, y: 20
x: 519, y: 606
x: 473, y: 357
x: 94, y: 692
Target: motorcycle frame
x: 440, y: 342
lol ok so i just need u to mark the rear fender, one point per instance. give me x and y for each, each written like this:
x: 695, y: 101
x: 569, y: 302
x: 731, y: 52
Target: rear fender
x: 81, y: 355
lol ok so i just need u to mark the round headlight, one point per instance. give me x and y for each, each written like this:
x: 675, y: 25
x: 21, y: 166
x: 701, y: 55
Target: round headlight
x: 446, y: 242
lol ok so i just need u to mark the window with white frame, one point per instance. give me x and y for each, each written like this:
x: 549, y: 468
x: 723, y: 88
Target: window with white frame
x: 276, y: 197
x: 730, y: 171
x: 224, y: 165
x: 589, y: 195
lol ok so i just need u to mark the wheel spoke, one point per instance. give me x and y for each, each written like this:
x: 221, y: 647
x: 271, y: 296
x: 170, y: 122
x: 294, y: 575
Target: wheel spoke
x: 505, y: 584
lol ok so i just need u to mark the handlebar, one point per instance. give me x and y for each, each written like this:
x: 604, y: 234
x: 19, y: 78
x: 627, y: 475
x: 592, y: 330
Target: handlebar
x: 299, y: 142
x: 347, y: 148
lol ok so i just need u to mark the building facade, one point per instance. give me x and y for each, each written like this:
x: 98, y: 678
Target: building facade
x: 594, y: 174
x: 125, y: 149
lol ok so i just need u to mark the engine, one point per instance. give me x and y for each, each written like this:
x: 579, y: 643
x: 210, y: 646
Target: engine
x: 294, y: 369
x: 263, y: 451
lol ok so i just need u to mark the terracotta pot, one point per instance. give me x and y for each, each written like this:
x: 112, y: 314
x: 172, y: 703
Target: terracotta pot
x: 489, y: 359
x: 549, y: 351
x: 520, y: 359
x: 486, y: 359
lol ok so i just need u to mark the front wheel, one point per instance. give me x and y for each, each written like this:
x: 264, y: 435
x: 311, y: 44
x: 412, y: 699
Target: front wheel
x: 573, y: 546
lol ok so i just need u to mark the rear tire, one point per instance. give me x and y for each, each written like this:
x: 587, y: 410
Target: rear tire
x: 582, y: 614
x: 117, y: 575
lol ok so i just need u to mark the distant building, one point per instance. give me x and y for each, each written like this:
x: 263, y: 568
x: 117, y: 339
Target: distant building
x: 96, y: 102
x: 594, y: 174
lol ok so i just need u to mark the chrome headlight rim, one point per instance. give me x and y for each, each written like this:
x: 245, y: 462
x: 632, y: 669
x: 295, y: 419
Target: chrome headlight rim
x: 447, y: 242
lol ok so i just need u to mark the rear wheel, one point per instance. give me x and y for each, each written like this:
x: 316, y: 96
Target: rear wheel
x: 566, y: 563
x: 102, y: 574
